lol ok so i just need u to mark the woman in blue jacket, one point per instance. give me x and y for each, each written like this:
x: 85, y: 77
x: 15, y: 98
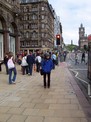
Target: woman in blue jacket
x: 47, y: 66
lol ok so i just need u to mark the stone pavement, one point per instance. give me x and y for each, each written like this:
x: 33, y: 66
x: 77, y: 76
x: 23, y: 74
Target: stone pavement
x: 28, y: 101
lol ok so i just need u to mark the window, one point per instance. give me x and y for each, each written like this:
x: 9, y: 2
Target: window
x: 25, y: 9
x: 34, y: 26
x: 43, y: 8
x: 43, y: 25
x: 25, y: 26
x: 25, y: 17
x: 34, y: 34
x: 43, y: 17
x: 34, y: 16
x: 42, y: 34
x: 27, y: 34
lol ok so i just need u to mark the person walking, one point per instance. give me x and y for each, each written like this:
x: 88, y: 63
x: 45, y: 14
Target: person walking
x: 47, y: 66
x: 12, y: 69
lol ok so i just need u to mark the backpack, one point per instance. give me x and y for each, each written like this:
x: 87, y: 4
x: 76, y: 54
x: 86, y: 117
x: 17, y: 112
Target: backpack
x: 24, y: 62
x: 10, y: 63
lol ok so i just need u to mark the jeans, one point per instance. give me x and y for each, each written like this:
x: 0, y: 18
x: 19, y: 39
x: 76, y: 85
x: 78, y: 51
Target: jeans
x: 30, y: 68
x: 12, y: 75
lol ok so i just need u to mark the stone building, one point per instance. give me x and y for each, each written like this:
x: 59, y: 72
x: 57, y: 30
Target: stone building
x: 83, y: 41
x: 37, y: 25
x: 9, y: 32
x: 57, y: 29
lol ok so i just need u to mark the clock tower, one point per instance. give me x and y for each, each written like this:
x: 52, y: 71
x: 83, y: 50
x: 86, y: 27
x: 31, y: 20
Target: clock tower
x: 81, y: 32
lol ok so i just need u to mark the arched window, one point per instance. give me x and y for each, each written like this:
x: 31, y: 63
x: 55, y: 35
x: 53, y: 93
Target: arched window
x: 11, y: 29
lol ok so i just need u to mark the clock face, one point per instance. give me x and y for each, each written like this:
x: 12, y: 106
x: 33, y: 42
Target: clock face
x: 81, y: 29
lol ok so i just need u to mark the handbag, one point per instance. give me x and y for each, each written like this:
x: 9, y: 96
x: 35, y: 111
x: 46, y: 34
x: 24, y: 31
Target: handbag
x: 41, y: 72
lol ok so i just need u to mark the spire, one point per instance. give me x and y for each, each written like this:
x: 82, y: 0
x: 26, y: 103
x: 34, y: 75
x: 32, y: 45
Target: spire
x: 81, y: 25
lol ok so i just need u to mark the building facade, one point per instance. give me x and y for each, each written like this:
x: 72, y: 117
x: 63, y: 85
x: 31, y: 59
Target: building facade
x: 36, y: 25
x: 83, y: 41
x: 57, y: 29
x: 9, y: 32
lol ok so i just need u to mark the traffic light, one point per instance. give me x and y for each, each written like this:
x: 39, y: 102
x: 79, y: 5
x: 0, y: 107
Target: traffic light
x: 58, y: 39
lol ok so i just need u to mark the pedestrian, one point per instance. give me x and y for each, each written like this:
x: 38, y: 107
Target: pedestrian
x: 38, y: 60
x: 83, y: 57
x: 24, y: 64
x: 76, y: 59
x: 64, y: 55
x: 47, y: 66
x: 5, y: 63
x: 30, y: 60
x: 1, y: 62
x: 54, y: 58
x: 11, y: 69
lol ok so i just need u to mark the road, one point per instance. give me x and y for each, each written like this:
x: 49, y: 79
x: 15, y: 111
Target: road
x: 80, y: 72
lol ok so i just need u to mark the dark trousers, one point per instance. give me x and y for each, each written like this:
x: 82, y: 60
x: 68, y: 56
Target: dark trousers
x: 7, y: 71
x: 24, y: 68
x: 38, y: 66
x: 46, y: 76
x: 30, y: 66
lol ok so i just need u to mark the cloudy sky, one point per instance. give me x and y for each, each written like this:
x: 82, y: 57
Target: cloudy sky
x: 72, y: 13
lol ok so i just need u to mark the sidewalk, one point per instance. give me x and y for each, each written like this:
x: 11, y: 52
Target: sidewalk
x: 28, y: 101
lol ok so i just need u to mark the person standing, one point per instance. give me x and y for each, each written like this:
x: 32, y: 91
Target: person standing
x: 12, y: 69
x: 83, y: 57
x: 38, y: 62
x: 30, y: 60
x: 76, y: 59
x: 47, y: 66
x: 5, y: 62
x: 53, y: 57
x: 24, y: 64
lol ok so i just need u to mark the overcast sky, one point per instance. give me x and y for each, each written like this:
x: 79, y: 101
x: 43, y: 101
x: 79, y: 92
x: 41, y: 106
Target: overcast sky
x: 72, y: 13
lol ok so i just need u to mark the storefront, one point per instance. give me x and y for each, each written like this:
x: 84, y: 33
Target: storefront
x: 9, y: 38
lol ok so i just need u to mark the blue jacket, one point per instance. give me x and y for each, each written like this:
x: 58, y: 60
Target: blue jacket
x: 47, y: 65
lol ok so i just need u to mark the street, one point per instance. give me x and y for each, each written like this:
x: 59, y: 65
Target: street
x: 80, y: 72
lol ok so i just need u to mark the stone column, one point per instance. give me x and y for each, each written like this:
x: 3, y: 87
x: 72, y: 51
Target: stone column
x: 17, y: 43
x: 6, y: 41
